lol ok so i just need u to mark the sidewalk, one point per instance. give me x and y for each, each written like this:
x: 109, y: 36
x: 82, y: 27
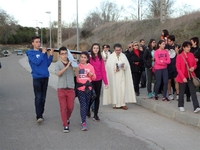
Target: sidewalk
x: 168, y: 109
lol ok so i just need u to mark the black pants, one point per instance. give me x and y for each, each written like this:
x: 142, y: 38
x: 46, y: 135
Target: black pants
x: 192, y: 92
x: 143, y: 79
x: 173, y: 85
x: 97, y: 87
x: 187, y: 91
x: 136, y: 80
x: 40, y: 90
x: 149, y: 76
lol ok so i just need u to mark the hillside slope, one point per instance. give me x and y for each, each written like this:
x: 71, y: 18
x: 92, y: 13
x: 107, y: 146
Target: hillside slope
x: 183, y: 28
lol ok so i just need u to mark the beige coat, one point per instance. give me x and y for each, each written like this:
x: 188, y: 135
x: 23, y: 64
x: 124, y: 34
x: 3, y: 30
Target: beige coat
x: 120, y: 83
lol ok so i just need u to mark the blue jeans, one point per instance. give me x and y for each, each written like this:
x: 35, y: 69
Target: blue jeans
x: 40, y: 90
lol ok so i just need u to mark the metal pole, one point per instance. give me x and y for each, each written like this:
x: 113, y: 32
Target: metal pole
x: 41, y: 34
x: 138, y: 9
x: 59, y: 40
x: 141, y: 10
x: 50, y: 30
x: 163, y: 11
x: 48, y: 12
x: 77, y: 26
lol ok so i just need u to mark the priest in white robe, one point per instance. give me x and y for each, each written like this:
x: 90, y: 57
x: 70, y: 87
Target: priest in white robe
x: 121, y: 90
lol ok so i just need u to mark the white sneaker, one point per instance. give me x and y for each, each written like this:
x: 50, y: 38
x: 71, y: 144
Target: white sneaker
x: 171, y: 97
x: 40, y: 120
x: 177, y: 97
x: 197, y: 110
x: 182, y: 109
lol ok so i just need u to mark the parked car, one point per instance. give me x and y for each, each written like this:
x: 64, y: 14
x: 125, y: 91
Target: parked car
x: 19, y: 52
x: 5, y: 53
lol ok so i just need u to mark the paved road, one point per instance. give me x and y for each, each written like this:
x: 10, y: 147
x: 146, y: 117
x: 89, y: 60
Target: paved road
x: 134, y: 129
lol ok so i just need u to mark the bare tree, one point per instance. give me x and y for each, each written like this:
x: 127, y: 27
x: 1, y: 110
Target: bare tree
x: 109, y: 11
x: 183, y: 9
x: 6, y: 19
x: 69, y: 29
x: 154, y: 8
x: 106, y: 12
x: 92, y: 21
x: 71, y: 24
x: 7, y: 26
x: 137, y: 10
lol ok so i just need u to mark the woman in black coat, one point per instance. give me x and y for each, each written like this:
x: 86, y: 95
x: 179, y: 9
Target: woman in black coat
x: 136, y: 64
x: 148, y: 64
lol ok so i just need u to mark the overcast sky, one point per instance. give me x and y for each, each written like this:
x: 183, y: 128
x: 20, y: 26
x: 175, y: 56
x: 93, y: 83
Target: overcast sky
x: 31, y: 12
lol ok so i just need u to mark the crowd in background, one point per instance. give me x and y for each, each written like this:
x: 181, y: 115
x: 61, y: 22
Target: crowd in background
x: 162, y: 67
x: 166, y: 71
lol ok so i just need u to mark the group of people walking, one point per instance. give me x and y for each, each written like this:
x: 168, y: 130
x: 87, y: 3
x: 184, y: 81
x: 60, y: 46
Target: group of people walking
x: 89, y: 75
x: 165, y: 64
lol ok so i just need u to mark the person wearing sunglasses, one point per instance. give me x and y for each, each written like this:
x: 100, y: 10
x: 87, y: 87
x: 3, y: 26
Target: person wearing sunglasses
x: 128, y: 50
x: 136, y: 64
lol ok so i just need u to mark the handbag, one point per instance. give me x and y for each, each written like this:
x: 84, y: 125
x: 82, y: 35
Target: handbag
x: 195, y: 80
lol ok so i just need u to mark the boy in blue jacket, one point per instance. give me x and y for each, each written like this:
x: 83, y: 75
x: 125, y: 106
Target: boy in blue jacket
x: 39, y: 62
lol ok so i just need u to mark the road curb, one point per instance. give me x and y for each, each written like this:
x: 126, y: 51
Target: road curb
x: 182, y: 117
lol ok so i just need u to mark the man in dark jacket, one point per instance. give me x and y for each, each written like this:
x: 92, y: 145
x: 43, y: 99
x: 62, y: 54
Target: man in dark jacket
x: 128, y: 50
x: 196, y: 51
x: 172, y: 73
x: 142, y: 43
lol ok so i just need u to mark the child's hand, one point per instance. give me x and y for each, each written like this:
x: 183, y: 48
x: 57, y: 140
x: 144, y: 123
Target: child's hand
x: 106, y: 86
x: 90, y: 74
x: 69, y: 63
x: 76, y: 72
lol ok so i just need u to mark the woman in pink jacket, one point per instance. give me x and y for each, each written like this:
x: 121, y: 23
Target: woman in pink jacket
x: 97, y: 62
x: 185, y: 76
x: 162, y: 59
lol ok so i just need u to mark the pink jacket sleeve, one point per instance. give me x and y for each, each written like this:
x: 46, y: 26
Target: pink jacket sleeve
x: 103, y: 71
x: 93, y: 72
x: 168, y: 59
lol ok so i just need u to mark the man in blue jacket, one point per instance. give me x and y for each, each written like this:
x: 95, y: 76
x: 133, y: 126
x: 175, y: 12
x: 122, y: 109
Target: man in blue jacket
x: 39, y: 62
